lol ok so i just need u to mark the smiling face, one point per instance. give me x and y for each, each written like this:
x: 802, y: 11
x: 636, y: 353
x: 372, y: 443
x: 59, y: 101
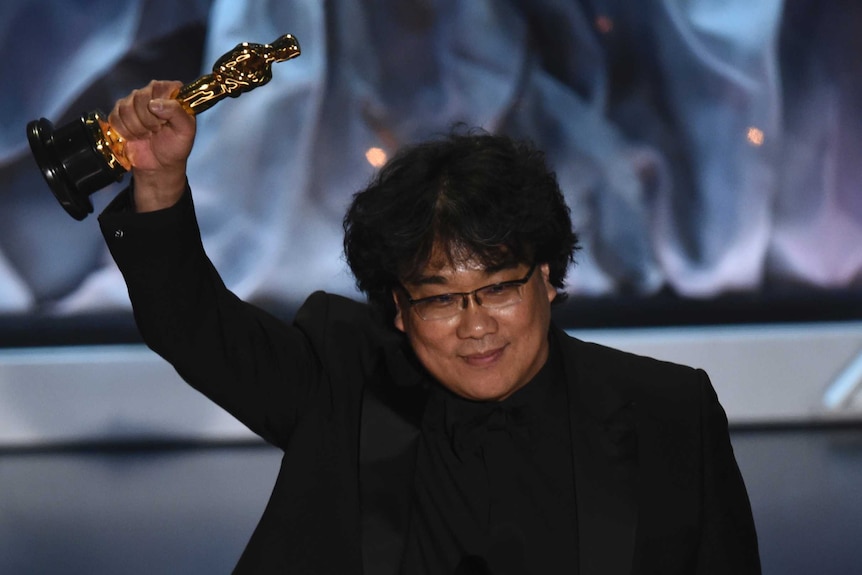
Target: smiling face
x: 479, y: 353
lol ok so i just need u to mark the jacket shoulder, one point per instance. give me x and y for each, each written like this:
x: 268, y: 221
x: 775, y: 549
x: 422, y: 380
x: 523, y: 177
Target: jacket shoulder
x: 628, y: 376
x: 347, y: 334
x: 324, y: 315
x: 599, y: 356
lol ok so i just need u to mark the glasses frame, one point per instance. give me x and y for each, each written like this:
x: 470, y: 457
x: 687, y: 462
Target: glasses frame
x: 466, y: 295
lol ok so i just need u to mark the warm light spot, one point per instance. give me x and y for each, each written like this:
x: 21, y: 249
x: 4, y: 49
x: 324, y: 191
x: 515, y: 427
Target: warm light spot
x: 376, y: 157
x: 755, y: 136
x: 604, y: 24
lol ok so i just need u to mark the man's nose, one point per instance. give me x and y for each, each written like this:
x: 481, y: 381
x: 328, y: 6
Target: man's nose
x: 475, y: 321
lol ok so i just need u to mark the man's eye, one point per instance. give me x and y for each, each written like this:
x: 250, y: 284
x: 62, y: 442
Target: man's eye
x: 498, y: 290
x: 442, y: 300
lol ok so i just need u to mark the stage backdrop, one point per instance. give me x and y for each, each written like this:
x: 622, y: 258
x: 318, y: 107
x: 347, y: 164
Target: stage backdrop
x: 705, y: 148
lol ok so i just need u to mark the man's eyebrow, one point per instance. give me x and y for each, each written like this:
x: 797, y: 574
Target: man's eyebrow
x: 502, y: 266
x: 428, y: 280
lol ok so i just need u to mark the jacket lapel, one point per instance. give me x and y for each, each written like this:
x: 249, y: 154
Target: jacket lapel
x: 392, y: 408
x: 604, y: 457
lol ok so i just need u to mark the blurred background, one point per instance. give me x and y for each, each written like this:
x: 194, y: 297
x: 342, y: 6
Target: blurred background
x: 710, y: 151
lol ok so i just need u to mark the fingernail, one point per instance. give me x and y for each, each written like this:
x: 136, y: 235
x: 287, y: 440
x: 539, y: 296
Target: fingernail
x: 156, y: 106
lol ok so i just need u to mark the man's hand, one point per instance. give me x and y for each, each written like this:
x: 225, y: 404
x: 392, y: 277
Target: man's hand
x: 158, y: 135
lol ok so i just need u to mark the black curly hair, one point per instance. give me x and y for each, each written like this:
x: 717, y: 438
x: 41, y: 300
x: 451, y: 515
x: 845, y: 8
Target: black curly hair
x: 477, y: 195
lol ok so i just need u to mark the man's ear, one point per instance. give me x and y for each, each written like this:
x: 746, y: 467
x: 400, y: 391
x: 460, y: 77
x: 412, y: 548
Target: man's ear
x: 545, y: 270
x: 399, y: 314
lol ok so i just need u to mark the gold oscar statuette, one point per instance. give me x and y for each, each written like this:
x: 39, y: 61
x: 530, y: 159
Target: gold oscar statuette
x: 86, y: 155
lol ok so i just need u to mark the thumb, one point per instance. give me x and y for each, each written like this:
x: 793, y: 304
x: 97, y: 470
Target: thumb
x: 172, y: 113
x: 162, y: 108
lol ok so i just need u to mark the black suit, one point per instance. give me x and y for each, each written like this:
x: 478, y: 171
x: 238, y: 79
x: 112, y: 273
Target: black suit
x: 658, y: 489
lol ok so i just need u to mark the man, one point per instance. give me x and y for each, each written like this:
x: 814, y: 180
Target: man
x: 447, y: 427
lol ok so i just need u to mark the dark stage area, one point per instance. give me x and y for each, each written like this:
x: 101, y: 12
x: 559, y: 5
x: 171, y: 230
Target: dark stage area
x: 144, y: 509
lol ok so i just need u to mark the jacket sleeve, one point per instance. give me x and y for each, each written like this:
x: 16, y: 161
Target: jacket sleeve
x: 260, y: 369
x: 728, y: 543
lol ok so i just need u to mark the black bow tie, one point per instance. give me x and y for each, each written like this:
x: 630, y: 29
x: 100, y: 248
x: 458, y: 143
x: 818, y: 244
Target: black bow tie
x: 469, y: 436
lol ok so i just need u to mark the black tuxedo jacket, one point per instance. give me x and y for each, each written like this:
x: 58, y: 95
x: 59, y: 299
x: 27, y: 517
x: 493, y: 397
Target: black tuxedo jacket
x: 658, y: 489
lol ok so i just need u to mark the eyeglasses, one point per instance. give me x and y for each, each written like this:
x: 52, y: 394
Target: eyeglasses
x: 494, y: 296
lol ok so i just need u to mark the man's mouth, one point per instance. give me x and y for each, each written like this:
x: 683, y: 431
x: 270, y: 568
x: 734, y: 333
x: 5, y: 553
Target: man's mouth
x: 485, y: 358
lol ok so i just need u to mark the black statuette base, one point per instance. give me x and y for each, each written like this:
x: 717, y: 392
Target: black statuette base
x: 71, y: 163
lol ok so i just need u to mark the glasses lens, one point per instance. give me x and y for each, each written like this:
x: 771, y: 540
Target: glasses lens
x: 500, y: 295
x: 439, y: 307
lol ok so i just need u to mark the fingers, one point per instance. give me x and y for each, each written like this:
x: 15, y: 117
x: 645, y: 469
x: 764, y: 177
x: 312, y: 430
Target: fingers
x: 145, y: 110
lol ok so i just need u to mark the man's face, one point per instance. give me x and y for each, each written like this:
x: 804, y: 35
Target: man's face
x: 479, y: 353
